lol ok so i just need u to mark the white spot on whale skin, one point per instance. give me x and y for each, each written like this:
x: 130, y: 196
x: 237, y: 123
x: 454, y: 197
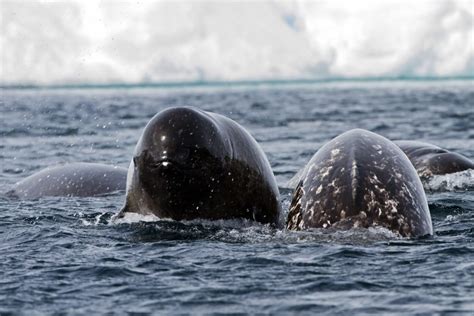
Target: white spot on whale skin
x: 320, y: 188
x: 401, y: 221
x: 354, y: 179
x: 301, y: 223
x: 311, y: 213
x: 326, y: 171
x: 325, y: 225
x: 334, y: 152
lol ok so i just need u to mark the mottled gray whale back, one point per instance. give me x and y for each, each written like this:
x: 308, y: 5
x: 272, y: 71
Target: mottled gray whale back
x: 430, y: 160
x: 191, y: 164
x: 74, y: 179
x: 360, y: 179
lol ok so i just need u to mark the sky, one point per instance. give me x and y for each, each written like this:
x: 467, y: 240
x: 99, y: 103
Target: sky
x: 101, y: 42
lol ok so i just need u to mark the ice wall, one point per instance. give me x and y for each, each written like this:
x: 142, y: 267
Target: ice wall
x: 50, y: 42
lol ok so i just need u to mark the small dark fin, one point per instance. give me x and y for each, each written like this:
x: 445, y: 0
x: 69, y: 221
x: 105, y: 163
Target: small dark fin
x: 294, y: 215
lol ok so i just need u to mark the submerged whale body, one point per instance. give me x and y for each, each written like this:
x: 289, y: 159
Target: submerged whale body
x: 430, y: 160
x: 360, y: 179
x: 191, y: 164
x: 74, y: 179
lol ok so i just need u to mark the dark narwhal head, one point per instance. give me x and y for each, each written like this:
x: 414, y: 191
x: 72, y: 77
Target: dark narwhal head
x: 177, y: 163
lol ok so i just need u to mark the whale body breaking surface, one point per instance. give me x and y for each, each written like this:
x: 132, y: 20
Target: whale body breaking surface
x: 79, y: 179
x: 360, y: 179
x: 192, y: 164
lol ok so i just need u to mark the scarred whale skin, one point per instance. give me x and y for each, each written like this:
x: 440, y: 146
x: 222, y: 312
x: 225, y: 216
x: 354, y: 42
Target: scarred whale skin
x: 192, y: 164
x: 360, y: 179
x: 74, y: 179
x: 430, y: 160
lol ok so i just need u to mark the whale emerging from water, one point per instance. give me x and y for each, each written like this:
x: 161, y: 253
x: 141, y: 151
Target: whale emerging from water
x: 74, y: 179
x: 430, y: 160
x: 191, y: 164
x: 360, y: 179
x: 187, y: 164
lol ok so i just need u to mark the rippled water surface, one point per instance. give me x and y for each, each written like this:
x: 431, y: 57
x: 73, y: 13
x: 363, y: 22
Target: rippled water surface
x: 64, y: 255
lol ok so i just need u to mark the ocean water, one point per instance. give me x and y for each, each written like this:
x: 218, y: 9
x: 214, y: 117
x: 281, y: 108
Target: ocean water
x: 66, y: 255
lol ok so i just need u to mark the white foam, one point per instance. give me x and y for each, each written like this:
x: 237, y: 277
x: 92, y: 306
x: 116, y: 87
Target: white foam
x: 352, y: 236
x: 49, y: 42
x: 243, y: 230
x: 129, y: 218
x: 460, y: 181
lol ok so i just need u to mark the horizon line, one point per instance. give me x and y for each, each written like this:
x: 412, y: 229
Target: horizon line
x: 224, y: 83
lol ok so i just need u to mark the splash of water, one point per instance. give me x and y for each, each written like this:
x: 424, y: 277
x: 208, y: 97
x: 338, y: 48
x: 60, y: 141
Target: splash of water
x: 459, y: 181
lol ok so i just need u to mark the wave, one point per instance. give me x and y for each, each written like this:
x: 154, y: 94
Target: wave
x: 161, y: 41
x: 151, y: 228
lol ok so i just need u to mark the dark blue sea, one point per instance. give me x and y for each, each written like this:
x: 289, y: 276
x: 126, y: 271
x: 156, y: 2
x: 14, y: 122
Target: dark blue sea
x: 66, y: 256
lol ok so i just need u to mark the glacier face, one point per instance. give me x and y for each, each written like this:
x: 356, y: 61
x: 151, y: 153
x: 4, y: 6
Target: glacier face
x: 73, y: 42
